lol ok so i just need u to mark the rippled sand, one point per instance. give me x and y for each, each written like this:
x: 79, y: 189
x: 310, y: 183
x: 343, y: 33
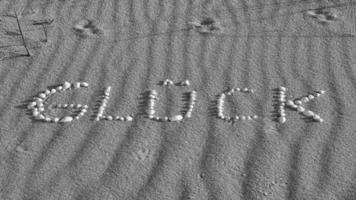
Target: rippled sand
x: 131, y: 46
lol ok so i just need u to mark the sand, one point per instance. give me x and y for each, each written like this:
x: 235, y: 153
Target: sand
x: 132, y: 46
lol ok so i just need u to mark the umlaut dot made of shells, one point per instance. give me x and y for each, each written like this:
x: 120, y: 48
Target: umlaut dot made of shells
x: 39, y: 104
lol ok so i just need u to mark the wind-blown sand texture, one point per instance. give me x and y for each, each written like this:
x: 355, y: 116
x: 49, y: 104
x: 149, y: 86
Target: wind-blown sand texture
x: 133, y: 45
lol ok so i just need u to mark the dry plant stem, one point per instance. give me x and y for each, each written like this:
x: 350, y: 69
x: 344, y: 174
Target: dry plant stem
x: 45, y: 31
x: 23, y: 39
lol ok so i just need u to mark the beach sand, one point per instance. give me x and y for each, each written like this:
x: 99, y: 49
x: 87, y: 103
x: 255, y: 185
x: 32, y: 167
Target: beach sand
x: 132, y: 45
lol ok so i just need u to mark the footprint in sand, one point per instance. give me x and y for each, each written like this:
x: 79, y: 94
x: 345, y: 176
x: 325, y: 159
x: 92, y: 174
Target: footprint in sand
x: 142, y: 154
x: 205, y: 25
x: 324, y: 16
x: 85, y: 28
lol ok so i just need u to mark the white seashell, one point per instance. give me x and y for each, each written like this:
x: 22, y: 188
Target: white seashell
x: 129, y: 118
x: 31, y: 105
x: 66, y: 119
x: 282, y: 99
x: 107, y: 91
x: 151, y: 112
x: 152, y: 96
x: 282, y: 94
x: 245, y: 90
x: 41, y: 109
x: 38, y: 100
x: 81, y: 114
x: 281, y: 108
x: 47, y: 119
x: 311, y: 97
x: 188, y: 115
x: 56, y: 119
x: 255, y: 117
x: 106, y: 99
x: 109, y: 118
x: 237, y: 117
x: 322, y: 91
x: 176, y: 118
x: 59, y: 88
x: 308, y: 113
x: 300, y: 109
x: 243, y: 117
x: 84, y: 84
x: 282, y: 89
x: 66, y: 85
x: 249, y: 118
x: 48, y: 92
x: 185, y: 83
x: 290, y: 103
x: 53, y: 91
x: 40, y: 104
x: 318, y: 118
x: 228, y: 119
x: 305, y: 99
x: 40, y: 117
x: 167, y: 82
x: 293, y: 106
x: 77, y: 85
x: 282, y: 120
x: 42, y: 95
x: 35, y: 112
x: 298, y: 102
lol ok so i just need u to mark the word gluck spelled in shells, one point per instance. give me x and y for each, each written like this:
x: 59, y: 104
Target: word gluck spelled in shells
x: 39, y: 104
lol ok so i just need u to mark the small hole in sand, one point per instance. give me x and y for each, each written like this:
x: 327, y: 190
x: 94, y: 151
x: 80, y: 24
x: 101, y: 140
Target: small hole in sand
x: 207, y: 21
x: 20, y: 148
